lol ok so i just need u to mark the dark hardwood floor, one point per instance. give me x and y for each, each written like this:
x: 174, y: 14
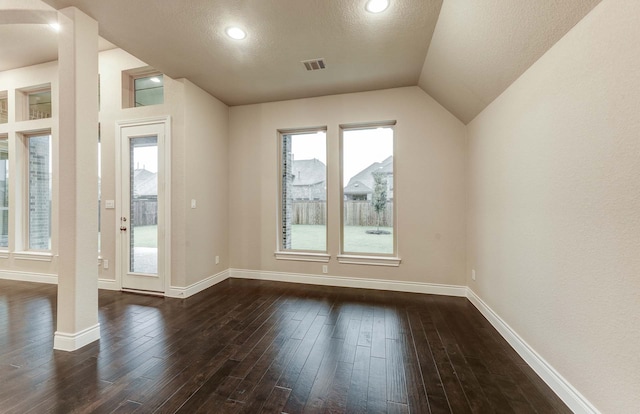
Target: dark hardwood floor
x: 248, y: 346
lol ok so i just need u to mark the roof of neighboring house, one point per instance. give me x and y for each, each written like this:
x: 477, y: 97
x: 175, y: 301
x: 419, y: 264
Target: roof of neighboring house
x: 357, y: 188
x: 365, y: 177
x: 308, y: 172
x: 145, y: 182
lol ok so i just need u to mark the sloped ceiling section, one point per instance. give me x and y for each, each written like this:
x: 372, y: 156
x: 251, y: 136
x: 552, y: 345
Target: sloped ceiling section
x: 362, y: 51
x: 481, y: 47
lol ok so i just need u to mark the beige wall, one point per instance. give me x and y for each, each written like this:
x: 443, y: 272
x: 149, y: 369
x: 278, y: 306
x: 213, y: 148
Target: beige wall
x: 199, y: 136
x: 206, y: 180
x: 111, y: 65
x: 554, y: 206
x: 430, y: 183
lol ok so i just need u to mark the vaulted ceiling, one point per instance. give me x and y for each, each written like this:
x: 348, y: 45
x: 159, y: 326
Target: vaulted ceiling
x: 464, y: 53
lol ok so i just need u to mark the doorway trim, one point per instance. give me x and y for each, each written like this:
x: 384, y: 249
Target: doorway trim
x: 120, y: 125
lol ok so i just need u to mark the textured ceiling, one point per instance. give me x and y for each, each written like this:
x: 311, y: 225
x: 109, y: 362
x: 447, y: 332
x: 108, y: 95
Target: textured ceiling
x: 363, y: 51
x: 464, y: 53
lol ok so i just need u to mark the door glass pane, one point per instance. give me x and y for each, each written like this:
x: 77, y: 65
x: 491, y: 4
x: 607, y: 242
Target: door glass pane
x: 143, y: 226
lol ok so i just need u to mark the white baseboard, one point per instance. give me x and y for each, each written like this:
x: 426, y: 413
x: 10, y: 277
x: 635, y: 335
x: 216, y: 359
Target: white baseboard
x: 571, y: 396
x: 352, y: 282
x: 63, y: 341
x: 108, y: 284
x: 185, y: 292
x: 48, y: 278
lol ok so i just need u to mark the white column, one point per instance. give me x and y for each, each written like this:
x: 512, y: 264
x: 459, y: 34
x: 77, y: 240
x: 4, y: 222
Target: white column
x: 77, y: 323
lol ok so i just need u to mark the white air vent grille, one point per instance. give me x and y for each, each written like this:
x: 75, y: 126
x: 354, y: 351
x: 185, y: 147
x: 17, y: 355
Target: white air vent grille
x: 314, y: 64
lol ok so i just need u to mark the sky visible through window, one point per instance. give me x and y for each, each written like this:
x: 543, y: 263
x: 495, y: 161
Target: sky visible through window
x: 362, y: 146
x: 146, y: 158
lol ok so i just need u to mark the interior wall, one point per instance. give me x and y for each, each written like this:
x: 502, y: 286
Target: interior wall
x: 111, y: 65
x: 40, y: 267
x: 554, y: 206
x: 205, y: 180
x: 199, y: 169
x: 430, y: 185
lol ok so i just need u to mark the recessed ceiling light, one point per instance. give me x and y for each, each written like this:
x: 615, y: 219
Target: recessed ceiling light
x: 236, y: 33
x: 377, y: 6
x: 55, y: 26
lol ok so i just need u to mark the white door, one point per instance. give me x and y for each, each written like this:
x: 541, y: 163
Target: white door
x: 142, y: 207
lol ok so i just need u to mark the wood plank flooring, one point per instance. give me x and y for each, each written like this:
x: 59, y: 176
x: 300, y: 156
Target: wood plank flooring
x: 246, y: 346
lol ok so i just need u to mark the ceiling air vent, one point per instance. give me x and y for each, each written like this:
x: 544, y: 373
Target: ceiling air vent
x: 314, y: 64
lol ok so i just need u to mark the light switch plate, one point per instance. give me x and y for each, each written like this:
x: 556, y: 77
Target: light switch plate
x: 109, y: 204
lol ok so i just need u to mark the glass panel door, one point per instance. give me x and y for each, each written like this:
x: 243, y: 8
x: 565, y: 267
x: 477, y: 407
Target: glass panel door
x: 142, y: 246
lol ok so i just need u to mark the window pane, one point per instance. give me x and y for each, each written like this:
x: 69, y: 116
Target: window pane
x: 149, y: 90
x: 367, y: 168
x: 304, y: 191
x: 4, y: 193
x: 4, y: 108
x: 40, y: 104
x: 40, y: 192
x: 143, y: 254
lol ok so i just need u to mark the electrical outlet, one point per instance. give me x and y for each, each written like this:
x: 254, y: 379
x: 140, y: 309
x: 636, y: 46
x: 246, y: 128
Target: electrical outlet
x: 217, y: 259
x: 325, y: 269
x: 193, y: 203
x: 473, y: 274
x: 105, y: 263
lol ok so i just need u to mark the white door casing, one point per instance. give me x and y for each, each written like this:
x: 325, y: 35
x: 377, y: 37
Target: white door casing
x: 143, y: 259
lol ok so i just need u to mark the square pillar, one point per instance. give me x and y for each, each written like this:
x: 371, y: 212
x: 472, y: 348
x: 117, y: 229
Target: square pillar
x: 77, y: 172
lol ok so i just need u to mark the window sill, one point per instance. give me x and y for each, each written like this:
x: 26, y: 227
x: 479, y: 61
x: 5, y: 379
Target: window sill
x: 33, y: 256
x: 303, y: 256
x: 369, y: 260
x: 4, y: 254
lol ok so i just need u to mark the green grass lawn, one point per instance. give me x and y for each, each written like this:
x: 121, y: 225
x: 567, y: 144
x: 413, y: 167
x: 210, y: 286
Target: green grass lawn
x: 145, y: 236
x: 356, y: 240
x: 304, y: 237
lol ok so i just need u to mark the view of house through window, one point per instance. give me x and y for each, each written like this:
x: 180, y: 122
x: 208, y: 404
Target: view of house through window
x: 40, y: 180
x: 4, y: 192
x: 367, y: 172
x: 144, y: 205
x: 304, y: 191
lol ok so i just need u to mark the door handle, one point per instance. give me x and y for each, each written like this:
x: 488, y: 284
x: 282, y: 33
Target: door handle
x: 122, y: 228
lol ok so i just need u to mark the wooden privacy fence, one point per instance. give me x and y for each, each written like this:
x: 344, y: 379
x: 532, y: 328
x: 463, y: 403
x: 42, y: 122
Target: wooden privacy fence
x: 356, y: 213
x: 145, y: 211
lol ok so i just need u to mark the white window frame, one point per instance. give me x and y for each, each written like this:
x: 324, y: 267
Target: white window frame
x: 129, y: 85
x: 26, y: 214
x: 292, y: 254
x: 375, y: 259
